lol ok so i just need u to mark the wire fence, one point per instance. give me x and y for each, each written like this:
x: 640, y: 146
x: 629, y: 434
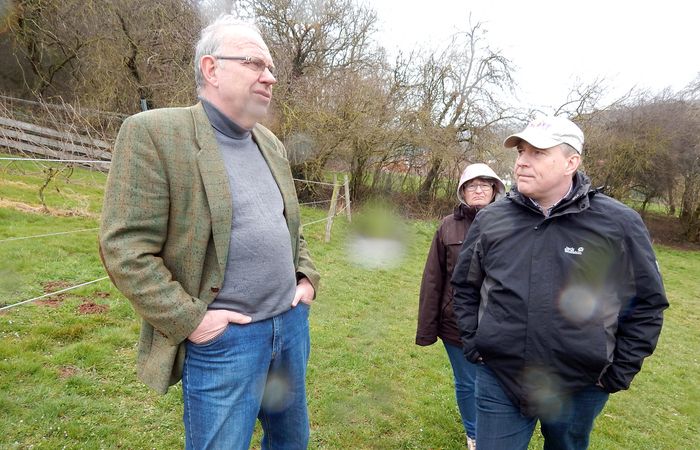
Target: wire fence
x: 323, y: 183
x: 318, y: 202
x: 84, y: 161
x: 52, y: 293
x: 333, y: 211
x: 36, y: 236
x: 315, y: 203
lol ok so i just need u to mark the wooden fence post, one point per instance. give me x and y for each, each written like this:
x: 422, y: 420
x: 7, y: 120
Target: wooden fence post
x: 347, y: 198
x: 331, y: 209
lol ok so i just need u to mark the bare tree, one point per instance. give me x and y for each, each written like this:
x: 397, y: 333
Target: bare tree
x: 322, y: 50
x: 457, y: 98
x: 648, y: 150
x: 108, y: 55
x: 49, y: 39
x: 315, y: 37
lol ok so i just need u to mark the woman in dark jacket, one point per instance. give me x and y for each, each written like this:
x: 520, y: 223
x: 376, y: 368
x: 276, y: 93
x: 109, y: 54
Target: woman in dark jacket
x: 478, y: 186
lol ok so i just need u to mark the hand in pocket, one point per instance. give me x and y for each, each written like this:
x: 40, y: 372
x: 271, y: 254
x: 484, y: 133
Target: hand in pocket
x: 214, y: 323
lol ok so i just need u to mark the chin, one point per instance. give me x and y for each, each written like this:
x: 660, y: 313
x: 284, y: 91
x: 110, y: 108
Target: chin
x: 258, y: 112
x: 524, y: 189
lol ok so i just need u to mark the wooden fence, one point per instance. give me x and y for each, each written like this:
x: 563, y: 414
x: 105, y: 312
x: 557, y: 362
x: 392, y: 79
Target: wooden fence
x: 29, y: 139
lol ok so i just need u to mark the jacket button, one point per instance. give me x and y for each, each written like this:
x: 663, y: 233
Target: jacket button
x: 215, y: 289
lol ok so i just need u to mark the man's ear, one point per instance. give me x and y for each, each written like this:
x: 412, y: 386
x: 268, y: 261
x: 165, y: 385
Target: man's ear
x: 208, y: 66
x: 572, y: 163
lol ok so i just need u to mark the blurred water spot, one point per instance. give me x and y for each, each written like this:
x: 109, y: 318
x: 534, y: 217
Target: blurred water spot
x: 544, y: 392
x: 577, y: 304
x: 375, y: 253
x: 377, y: 239
x: 278, y: 395
x: 9, y: 280
x: 300, y: 148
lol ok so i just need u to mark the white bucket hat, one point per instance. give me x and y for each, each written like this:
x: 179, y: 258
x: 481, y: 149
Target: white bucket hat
x: 480, y: 170
x: 548, y: 132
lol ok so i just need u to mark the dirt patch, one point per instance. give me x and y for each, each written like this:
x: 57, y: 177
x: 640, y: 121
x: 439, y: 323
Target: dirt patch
x: 102, y: 294
x: 52, y: 301
x: 53, y: 286
x: 90, y: 307
x: 67, y: 371
x: 667, y: 231
x: 38, y: 209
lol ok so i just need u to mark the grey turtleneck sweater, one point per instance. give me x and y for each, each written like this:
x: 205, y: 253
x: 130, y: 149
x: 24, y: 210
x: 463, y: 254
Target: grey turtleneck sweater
x: 260, y: 278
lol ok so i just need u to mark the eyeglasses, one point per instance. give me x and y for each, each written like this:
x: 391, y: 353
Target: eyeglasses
x: 484, y: 187
x: 253, y: 62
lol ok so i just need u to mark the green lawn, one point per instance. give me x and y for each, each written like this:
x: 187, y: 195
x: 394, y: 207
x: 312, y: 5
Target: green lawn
x: 67, y: 376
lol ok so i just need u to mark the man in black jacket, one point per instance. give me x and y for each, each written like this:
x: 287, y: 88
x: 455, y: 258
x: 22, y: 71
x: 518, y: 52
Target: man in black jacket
x: 557, y: 295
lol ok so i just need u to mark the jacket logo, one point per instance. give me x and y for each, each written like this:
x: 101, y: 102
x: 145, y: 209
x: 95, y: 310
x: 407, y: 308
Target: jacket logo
x: 573, y: 251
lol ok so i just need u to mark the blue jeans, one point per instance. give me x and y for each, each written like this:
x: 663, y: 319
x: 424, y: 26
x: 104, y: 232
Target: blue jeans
x: 465, y: 374
x: 253, y: 371
x: 500, y: 426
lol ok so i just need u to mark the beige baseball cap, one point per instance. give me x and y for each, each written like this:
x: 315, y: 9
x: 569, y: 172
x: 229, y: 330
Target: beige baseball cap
x: 547, y: 132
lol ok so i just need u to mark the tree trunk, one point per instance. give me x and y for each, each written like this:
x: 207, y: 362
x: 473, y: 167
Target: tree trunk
x: 692, y: 226
x: 427, y: 188
x: 358, y: 174
x: 671, y: 200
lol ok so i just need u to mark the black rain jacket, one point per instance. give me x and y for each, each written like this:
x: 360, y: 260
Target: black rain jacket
x: 554, y: 304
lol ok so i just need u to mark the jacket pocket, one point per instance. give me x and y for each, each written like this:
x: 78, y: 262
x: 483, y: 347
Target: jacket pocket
x: 582, y: 348
x: 452, y: 247
x: 499, y: 336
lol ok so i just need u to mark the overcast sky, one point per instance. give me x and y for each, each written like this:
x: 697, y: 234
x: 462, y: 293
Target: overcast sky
x: 553, y: 44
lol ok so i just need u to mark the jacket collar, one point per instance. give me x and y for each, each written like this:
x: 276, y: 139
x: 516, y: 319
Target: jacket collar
x: 223, y: 124
x: 463, y: 211
x: 578, y: 198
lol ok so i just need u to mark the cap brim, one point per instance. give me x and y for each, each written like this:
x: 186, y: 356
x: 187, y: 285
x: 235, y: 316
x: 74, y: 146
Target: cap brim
x: 531, y: 137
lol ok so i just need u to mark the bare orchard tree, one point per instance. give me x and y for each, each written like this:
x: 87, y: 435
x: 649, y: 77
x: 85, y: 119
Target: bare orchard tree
x: 456, y: 99
x: 50, y: 40
x: 367, y: 110
x: 321, y: 49
x: 346, y: 122
x: 587, y: 99
x: 686, y: 147
x: 648, y: 150
x: 315, y: 37
x: 147, y: 60
x: 108, y: 55
x: 626, y: 151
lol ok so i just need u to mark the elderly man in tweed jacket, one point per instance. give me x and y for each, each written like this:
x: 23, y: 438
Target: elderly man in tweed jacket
x: 201, y: 232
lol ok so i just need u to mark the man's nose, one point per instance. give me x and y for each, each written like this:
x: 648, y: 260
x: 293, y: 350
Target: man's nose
x: 267, y: 77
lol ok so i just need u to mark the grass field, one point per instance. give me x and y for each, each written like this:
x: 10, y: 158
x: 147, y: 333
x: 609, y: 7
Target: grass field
x: 67, y: 375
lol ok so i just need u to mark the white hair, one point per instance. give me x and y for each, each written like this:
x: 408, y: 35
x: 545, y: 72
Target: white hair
x: 211, y: 39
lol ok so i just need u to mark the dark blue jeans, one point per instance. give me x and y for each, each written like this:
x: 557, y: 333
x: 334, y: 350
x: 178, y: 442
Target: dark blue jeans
x: 500, y: 426
x: 253, y: 371
x: 465, y: 374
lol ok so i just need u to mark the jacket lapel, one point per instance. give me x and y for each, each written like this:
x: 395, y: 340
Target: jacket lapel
x: 281, y: 172
x: 216, y: 183
x: 279, y: 167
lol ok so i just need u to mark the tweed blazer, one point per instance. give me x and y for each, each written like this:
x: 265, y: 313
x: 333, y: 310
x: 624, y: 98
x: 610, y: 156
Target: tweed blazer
x: 166, y: 227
